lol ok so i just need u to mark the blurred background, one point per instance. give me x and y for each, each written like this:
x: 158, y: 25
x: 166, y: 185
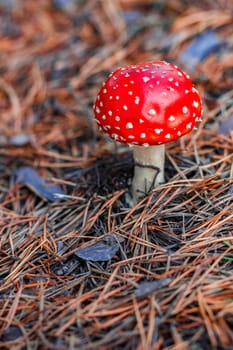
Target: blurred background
x: 55, y: 54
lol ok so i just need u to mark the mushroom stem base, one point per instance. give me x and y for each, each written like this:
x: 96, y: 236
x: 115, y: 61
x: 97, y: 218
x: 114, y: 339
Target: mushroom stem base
x: 148, y: 169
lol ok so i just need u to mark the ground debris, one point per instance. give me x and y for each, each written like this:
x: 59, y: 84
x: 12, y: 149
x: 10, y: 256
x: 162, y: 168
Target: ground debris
x: 102, y: 250
x: 146, y: 288
x: 82, y: 270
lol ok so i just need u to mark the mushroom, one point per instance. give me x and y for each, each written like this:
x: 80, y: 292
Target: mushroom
x: 147, y: 105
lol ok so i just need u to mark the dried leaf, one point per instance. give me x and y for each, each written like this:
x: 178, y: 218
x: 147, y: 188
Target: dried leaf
x: 148, y: 287
x: 200, y: 48
x: 20, y: 139
x: 226, y: 126
x: 30, y: 178
x: 100, y: 251
x: 12, y: 333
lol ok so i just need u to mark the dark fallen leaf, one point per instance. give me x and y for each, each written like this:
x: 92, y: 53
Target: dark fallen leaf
x: 7, y: 4
x: 100, y: 251
x: 130, y: 16
x: 201, y: 47
x: 30, y: 178
x: 148, y: 287
x: 64, y: 4
x: 230, y: 191
x: 226, y: 126
x: 12, y: 333
x: 20, y: 139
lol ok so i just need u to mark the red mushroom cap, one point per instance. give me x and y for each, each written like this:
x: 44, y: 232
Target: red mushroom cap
x: 147, y: 104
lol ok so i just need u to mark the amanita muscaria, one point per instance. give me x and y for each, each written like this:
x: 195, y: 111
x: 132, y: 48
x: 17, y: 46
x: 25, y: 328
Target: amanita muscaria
x: 147, y: 105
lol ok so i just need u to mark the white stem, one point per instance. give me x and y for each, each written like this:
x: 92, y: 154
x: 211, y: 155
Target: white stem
x: 148, y: 169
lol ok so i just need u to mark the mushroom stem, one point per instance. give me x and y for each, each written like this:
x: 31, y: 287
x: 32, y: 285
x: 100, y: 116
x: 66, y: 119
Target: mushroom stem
x: 148, y: 169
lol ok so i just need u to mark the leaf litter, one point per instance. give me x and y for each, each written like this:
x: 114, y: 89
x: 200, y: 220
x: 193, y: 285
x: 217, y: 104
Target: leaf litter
x: 155, y: 276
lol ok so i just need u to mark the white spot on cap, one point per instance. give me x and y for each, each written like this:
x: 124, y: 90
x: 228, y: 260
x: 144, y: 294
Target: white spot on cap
x: 101, y: 104
x: 167, y: 136
x: 129, y: 126
x: 179, y: 74
x: 195, y: 104
x: 115, y: 136
x: 117, y: 118
x: 151, y: 86
x: 127, y: 75
x: 142, y: 135
x: 152, y: 112
x: 189, y: 125
x: 164, y: 93
x: 145, y: 79
x: 158, y: 131
x: 109, y: 112
x: 117, y: 97
x: 106, y: 127
x: 117, y: 128
x: 170, y: 79
x: 171, y: 118
x: 157, y: 82
x: 176, y: 83
x: 110, y: 97
x: 185, y: 109
x: 137, y: 100
x: 141, y: 121
x: 131, y: 137
x: 97, y: 110
x: 178, y: 133
x: 104, y: 117
x: 125, y: 107
x: 125, y: 85
x: 131, y: 82
x: 186, y: 91
x: 104, y: 91
x: 194, y: 90
x: 130, y: 92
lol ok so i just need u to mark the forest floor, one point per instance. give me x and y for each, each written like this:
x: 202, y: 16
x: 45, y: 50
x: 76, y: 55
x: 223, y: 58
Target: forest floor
x: 79, y: 269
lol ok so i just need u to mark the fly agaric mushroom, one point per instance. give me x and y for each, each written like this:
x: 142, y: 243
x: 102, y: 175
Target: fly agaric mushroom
x: 146, y: 106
